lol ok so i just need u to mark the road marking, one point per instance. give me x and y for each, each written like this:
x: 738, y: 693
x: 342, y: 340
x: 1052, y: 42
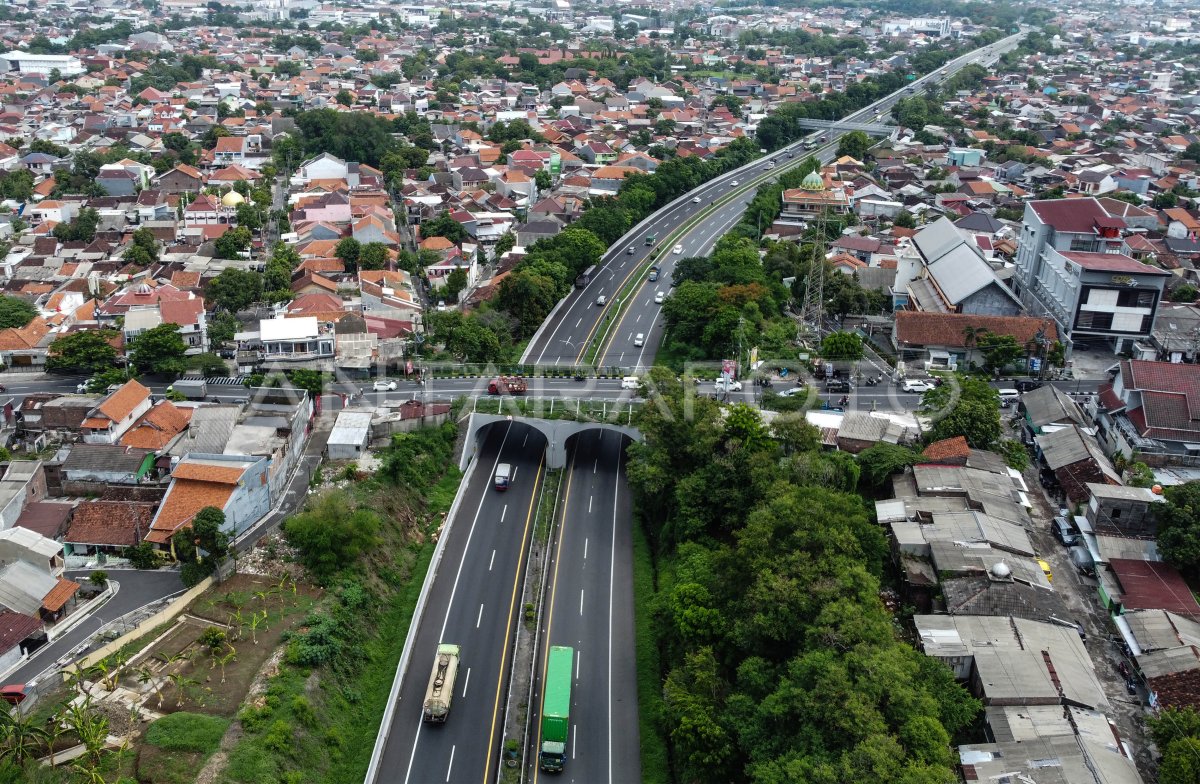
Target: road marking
x: 612, y: 566
x: 523, y: 443
x: 639, y: 318
x: 508, y: 624
x: 450, y: 767
x: 514, y: 476
x: 479, y: 617
x: 589, y: 504
x: 578, y: 658
x: 503, y: 512
x: 581, y: 601
x: 585, y: 546
x: 595, y: 465
x: 467, y: 682
x: 553, y: 595
x: 577, y: 323
x: 453, y: 590
x: 574, y: 734
x: 493, y: 561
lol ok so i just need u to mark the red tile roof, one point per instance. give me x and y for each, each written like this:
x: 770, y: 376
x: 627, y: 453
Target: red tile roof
x: 115, y: 523
x: 1076, y: 216
x: 59, y: 594
x: 917, y: 328
x: 15, y: 627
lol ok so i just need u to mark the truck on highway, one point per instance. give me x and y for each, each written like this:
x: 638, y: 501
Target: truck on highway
x: 441, y: 684
x: 507, y: 385
x: 556, y: 709
x: 651, y: 238
x: 191, y: 388
x: 653, y: 273
x: 503, y: 477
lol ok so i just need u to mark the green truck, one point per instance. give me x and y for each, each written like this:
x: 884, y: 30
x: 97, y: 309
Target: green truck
x: 556, y: 709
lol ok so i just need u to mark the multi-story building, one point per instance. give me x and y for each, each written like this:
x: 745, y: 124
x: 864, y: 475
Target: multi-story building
x: 1073, y: 266
x: 45, y: 64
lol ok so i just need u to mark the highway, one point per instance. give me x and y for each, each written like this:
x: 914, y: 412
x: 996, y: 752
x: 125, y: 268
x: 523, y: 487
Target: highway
x: 473, y: 602
x: 578, y: 321
x: 590, y: 608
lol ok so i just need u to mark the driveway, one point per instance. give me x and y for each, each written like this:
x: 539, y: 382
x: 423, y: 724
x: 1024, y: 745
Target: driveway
x: 137, y: 589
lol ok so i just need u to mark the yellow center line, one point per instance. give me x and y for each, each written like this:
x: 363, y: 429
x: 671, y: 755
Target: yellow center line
x: 550, y: 614
x: 487, y: 765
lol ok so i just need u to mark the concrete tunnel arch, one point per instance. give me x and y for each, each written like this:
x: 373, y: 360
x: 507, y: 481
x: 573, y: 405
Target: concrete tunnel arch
x: 556, y: 431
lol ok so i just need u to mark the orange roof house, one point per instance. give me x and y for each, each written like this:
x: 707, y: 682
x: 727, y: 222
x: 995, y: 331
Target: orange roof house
x: 107, y: 422
x: 157, y: 427
x: 234, y: 484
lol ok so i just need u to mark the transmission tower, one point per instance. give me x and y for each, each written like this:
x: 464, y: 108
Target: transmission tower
x: 812, y: 308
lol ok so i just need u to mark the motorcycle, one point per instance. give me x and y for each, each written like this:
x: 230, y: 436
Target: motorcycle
x: 845, y: 401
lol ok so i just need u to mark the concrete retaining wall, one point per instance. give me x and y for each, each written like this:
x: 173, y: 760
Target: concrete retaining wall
x: 168, y: 613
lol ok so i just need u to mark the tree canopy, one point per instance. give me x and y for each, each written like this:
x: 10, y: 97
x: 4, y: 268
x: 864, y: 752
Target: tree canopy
x: 82, y: 352
x: 15, y: 312
x: 767, y: 611
x: 159, y: 350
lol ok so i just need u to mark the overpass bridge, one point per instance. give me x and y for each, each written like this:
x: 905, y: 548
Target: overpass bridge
x: 873, y: 129
x: 557, y: 432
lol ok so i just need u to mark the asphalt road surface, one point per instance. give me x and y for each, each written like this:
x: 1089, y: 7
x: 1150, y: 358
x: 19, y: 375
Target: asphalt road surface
x: 473, y: 602
x: 591, y: 609
x: 567, y: 333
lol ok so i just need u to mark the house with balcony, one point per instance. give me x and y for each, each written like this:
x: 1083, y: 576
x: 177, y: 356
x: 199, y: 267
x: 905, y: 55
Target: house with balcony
x: 1073, y: 266
x: 1152, y: 408
x: 288, y: 340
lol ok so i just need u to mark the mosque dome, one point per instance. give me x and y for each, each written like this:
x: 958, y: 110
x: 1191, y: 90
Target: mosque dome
x: 232, y: 199
x: 812, y: 182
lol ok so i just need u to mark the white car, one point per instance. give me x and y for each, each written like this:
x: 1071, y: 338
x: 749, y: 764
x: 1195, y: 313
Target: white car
x: 917, y: 386
x: 677, y: 249
x: 695, y: 200
x: 82, y: 386
x: 600, y: 300
x: 771, y: 165
x: 733, y: 184
x: 659, y: 297
x: 733, y: 386
x: 384, y: 385
x: 639, y: 340
x: 793, y: 391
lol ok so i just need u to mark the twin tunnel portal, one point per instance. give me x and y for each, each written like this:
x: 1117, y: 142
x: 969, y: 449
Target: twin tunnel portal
x: 502, y: 555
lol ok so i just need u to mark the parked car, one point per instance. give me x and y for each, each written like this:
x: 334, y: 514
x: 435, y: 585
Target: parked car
x: 1046, y: 570
x: 384, y: 385
x: 1064, y: 531
x: 916, y: 385
x: 13, y: 693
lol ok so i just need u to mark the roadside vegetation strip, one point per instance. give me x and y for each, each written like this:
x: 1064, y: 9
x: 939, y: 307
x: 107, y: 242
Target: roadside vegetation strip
x: 631, y: 283
x: 650, y: 677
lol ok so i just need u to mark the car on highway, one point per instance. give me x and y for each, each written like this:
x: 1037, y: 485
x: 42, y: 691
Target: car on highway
x: 384, y: 385
x: 837, y: 385
x: 695, y: 200
x: 731, y: 386
x: 771, y: 165
x: 733, y: 184
x: 601, y: 299
x: 629, y: 250
x: 639, y: 340
x: 630, y: 382
x: 658, y: 297
x: 917, y: 385
x: 791, y: 155
x: 677, y: 249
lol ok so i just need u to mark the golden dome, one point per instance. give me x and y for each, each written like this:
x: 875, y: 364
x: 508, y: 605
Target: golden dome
x: 232, y: 199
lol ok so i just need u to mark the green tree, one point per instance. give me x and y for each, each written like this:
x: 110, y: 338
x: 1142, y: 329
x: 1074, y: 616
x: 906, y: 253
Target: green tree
x: 842, y: 346
x: 331, y: 534
x: 143, y: 250
x: 456, y: 281
x: 444, y: 226
x: 1179, y: 527
x: 81, y: 228
x: 231, y: 244
x: 159, y: 350
x: 344, y: 97
x: 607, y: 221
x: 235, y: 289
x: 82, y: 352
x: 15, y: 312
x: 879, y: 462
x: 965, y: 407
x: 855, y: 144
x: 348, y: 250
x: 999, y: 351
x: 905, y: 220
x: 374, y: 256
x: 541, y: 178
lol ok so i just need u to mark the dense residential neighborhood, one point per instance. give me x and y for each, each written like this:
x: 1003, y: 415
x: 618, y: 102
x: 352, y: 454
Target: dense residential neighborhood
x: 847, y: 358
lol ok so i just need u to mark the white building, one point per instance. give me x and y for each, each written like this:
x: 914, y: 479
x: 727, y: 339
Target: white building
x: 65, y: 64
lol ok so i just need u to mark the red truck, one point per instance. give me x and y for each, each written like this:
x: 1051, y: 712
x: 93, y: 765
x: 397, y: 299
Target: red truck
x: 507, y: 385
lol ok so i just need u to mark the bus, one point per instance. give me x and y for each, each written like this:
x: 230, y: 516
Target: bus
x: 441, y: 684
x: 556, y: 709
x: 585, y: 277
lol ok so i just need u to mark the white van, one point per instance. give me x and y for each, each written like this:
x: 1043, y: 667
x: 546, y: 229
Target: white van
x: 630, y: 382
x: 1009, y: 396
x: 503, y: 476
